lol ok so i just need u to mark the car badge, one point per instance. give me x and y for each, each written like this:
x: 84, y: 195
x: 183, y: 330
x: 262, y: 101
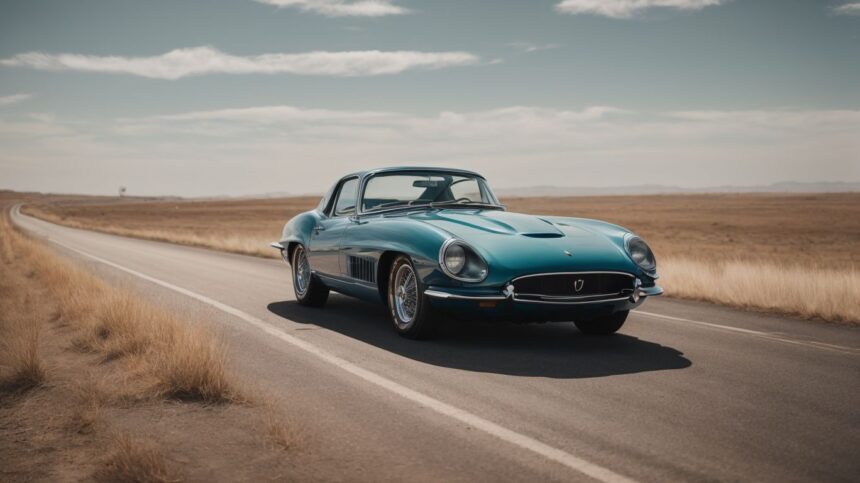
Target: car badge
x: 567, y: 252
x: 577, y: 285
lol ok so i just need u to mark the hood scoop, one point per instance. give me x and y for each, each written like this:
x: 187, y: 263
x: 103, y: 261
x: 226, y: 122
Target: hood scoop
x: 543, y: 235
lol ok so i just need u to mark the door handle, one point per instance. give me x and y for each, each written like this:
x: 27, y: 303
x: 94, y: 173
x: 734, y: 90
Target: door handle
x: 319, y: 228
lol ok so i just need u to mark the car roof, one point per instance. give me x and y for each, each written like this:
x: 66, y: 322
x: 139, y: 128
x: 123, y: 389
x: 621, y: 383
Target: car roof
x: 370, y: 172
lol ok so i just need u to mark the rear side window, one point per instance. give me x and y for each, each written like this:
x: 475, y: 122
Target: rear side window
x: 346, y: 199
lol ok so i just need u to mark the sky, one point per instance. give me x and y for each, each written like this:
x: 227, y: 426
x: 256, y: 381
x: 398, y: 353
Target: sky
x: 243, y: 97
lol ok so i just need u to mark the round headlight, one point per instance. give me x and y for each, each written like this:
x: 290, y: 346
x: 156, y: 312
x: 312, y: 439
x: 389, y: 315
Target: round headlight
x: 640, y: 253
x: 455, y: 259
x: 461, y: 262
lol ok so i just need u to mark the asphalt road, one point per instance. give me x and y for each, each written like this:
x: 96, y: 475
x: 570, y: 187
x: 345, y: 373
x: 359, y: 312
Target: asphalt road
x: 686, y: 391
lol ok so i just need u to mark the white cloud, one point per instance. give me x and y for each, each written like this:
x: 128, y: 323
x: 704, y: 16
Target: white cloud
x: 628, y: 8
x: 14, y: 99
x: 529, y: 47
x: 273, y: 114
x: 847, y: 9
x: 207, y: 60
x: 343, y: 8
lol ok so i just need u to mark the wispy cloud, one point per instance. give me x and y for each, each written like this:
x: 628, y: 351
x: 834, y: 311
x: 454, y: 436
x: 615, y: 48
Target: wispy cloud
x: 275, y: 114
x: 207, y: 60
x: 847, y: 9
x: 14, y: 99
x: 343, y: 8
x: 628, y: 8
x: 529, y: 47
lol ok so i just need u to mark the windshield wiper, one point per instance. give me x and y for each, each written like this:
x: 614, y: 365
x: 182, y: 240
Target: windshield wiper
x: 418, y: 204
x: 393, y: 205
x: 467, y: 203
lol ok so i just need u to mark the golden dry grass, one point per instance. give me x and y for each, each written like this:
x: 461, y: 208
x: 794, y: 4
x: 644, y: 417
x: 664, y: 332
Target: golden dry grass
x: 21, y: 365
x: 130, y: 356
x: 238, y: 226
x: 826, y: 293
x: 137, y: 461
x: 795, y: 254
x: 182, y: 361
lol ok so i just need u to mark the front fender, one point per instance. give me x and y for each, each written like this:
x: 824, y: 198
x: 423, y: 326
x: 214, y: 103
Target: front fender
x: 298, y: 231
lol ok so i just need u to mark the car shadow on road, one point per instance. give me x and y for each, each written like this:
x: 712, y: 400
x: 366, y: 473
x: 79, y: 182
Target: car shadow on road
x: 554, y: 350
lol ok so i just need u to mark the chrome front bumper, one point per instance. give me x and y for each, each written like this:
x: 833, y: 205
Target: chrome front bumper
x: 636, y: 294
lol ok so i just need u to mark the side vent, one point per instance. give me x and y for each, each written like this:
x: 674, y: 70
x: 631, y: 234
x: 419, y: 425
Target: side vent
x: 362, y: 268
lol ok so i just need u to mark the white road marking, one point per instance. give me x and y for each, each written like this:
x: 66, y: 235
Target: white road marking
x: 757, y: 333
x: 517, y: 439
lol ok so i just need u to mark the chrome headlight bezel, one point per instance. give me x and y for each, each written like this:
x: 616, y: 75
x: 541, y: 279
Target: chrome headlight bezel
x: 475, y: 268
x: 634, y: 243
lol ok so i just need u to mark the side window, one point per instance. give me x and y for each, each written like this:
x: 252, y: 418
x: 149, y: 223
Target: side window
x: 346, y: 199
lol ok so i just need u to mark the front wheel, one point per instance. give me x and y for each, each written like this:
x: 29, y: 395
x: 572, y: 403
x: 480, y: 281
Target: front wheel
x: 309, y: 290
x: 605, y: 325
x: 410, y: 311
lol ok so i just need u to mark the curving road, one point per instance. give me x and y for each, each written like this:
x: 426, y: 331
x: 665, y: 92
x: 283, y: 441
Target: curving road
x: 687, y: 391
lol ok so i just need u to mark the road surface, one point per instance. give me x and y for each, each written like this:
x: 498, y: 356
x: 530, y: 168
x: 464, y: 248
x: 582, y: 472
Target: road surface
x: 686, y: 391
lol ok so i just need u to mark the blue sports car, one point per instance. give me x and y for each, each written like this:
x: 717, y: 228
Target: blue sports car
x: 433, y: 242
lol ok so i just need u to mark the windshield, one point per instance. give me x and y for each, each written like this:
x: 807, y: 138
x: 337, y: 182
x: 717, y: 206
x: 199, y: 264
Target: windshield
x: 392, y: 190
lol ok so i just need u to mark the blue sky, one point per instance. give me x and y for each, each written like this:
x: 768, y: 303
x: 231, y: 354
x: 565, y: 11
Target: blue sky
x: 243, y: 96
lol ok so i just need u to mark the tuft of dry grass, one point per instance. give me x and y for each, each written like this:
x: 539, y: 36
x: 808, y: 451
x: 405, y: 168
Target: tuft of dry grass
x: 194, y: 369
x: 136, y: 460
x: 21, y: 366
x: 86, y: 413
x: 276, y: 432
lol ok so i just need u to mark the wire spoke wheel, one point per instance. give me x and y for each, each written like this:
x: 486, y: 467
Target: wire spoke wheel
x: 405, y: 295
x: 301, y: 271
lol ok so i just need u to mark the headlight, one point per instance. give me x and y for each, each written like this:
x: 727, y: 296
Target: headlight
x: 640, y: 253
x: 460, y: 262
x: 455, y: 259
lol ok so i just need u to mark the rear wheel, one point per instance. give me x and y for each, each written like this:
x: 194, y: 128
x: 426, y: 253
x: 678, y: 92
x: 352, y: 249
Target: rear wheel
x: 410, y: 311
x: 605, y: 325
x: 309, y: 290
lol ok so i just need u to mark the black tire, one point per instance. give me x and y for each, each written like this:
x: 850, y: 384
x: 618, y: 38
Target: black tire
x: 421, y: 325
x: 605, y: 325
x: 315, y: 293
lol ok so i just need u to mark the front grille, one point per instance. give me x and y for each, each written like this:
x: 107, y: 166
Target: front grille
x: 573, y: 286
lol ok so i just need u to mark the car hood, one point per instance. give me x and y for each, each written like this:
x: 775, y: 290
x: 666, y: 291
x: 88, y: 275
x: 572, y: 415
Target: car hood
x: 515, y: 243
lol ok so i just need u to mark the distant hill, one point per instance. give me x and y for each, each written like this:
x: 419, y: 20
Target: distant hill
x: 656, y: 189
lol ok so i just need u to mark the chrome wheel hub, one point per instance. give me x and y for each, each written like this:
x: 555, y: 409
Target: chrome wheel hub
x: 405, y: 295
x: 301, y: 272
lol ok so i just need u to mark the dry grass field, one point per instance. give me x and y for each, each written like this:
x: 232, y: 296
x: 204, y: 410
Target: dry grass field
x: 797, y: 254
x: 97, y: 384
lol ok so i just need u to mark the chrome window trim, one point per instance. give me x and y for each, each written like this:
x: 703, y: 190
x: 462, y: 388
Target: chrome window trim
x: 362, y: 186
x: 343, y: 181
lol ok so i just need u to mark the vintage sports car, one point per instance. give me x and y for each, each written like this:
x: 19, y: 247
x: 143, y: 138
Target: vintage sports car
x: 429, y: 242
